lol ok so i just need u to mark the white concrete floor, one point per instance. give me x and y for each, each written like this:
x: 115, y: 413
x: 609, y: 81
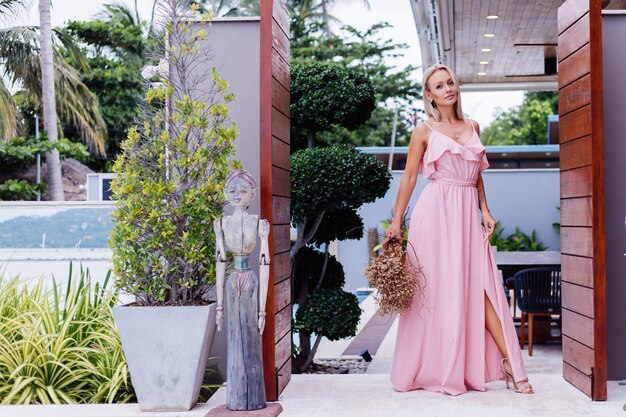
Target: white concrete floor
x: 372, y: 395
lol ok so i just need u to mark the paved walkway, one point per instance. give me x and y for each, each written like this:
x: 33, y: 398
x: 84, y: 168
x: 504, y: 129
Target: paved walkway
x: 371, y: 394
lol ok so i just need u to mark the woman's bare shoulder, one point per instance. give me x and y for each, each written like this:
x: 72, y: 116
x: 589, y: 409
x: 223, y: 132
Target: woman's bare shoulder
x: 421, y: 133
x: 475, y: 124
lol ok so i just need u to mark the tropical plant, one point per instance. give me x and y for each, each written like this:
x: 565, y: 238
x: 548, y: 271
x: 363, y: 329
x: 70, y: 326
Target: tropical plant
x: 170, y: 175
x: 12, y: 190
x: 526, y: 124
x: 517, y: 241
x: 60, y: 346
x: 116, y: 45
x: 20, y: 153
x: 20, y: 59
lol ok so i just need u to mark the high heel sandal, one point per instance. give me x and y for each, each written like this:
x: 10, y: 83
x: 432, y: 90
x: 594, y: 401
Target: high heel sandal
x: 522, y: 387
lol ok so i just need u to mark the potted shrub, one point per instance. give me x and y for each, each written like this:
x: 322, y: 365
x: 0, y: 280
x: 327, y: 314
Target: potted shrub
x: 169, y: 191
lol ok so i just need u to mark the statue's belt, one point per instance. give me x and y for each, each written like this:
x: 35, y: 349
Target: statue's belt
x: 241, y: 262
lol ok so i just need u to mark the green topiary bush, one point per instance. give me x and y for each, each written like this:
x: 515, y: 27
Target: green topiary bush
x: 326, y: 94
x: 333, y: 314
x: 310, y: 263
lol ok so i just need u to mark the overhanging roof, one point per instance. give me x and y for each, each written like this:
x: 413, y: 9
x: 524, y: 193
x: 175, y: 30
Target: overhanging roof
x: 522, y: 50
x: 521, y: 54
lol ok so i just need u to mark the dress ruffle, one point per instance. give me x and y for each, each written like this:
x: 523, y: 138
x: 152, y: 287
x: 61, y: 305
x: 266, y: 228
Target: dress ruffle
x: 439, y: 144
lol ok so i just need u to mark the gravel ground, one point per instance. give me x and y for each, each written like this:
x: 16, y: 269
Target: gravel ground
x: 338, y: 366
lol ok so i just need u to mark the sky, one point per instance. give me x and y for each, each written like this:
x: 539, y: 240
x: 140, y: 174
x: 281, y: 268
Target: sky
x: 479, y: 106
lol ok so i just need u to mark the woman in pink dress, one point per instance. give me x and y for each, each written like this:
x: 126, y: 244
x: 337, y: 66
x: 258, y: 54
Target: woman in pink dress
x: 459, y: 333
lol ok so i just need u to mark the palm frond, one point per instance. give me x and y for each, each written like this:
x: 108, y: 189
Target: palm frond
x: 76, y: 104
x: 8, y: 8
x: 9, y: 114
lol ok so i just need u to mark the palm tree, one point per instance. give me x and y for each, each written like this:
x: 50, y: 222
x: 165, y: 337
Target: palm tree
x: 53, y: 162
x: 20, y: 63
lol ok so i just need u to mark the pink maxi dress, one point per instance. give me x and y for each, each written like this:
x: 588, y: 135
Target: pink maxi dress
x: 442, y: 343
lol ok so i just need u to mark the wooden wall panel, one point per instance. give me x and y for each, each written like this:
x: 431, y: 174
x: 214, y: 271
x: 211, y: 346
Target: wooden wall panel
x: 578, y: 327
x: 577, y: 270
x: 282, y: 294
x: 573, y: 38
x: 576, y: 182
x: 283, y: 322
x: 281, y: 210
x: 577, y: 212
x: 575, y: 153
x: 281, y: 238
x: 281, y: 150
x: 575, y: 95
x: 570, y: 12
x: 578, y: 378
x: 582, y: 196
x: 579, y: 355
x: 284, y: 375
x: 282, y: 72
x: 275, y: 190
x: 575, y: 124
x: 281, y: 126
x: 279, y: 42
x: 281, y: 15
x: 577, y: 241
x: 282, y: 270
x: 280, y: 178
x: 281, y: 97
x: 577, y: 298
x: 575, y: 66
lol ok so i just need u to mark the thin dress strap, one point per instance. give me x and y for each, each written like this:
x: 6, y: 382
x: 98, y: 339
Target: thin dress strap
x: 426, y: 123
x: 472, y: 125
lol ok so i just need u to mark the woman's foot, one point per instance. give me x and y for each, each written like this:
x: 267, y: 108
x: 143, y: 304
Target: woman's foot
x: 522, y: 387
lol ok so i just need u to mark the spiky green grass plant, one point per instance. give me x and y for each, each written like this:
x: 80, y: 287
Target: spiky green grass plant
x: 60, y: 345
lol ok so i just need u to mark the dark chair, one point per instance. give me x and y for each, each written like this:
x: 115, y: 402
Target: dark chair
x: 538, y: 293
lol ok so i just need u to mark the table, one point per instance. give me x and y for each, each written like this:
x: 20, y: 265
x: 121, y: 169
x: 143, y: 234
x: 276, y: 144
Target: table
x: 511, y: 262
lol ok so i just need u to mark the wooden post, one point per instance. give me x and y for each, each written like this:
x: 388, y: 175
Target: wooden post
x: 275, y: 191
x: 582, y: 196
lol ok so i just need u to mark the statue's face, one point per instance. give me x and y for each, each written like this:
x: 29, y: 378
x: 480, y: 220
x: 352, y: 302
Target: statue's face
x: 239, y: 193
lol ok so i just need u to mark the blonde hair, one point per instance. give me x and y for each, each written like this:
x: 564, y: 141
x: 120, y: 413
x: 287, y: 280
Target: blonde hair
x: 429, y: 107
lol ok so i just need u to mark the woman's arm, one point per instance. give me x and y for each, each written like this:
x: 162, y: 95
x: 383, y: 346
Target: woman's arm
x: 488, y: 221
x: 417, y: 147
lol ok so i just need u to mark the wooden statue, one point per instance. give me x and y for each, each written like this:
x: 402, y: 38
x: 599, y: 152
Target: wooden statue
x: 246, y: 293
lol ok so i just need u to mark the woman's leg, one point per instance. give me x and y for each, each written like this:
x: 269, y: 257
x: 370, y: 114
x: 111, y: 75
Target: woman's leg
x: 494, y: 327
x: 492, y: 322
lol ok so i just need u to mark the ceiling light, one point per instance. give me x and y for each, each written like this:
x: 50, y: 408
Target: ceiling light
x: 482, y: 73
x: 489, y: 35
x: 492, y: 16
x: 486, y: 50
x: 484, y: 62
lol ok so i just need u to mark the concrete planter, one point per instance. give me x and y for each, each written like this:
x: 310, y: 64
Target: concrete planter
x: 167, y: 350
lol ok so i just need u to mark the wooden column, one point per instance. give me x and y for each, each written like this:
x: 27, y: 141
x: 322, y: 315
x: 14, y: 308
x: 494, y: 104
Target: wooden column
x: 275, y: 191
x: 582, y: 196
